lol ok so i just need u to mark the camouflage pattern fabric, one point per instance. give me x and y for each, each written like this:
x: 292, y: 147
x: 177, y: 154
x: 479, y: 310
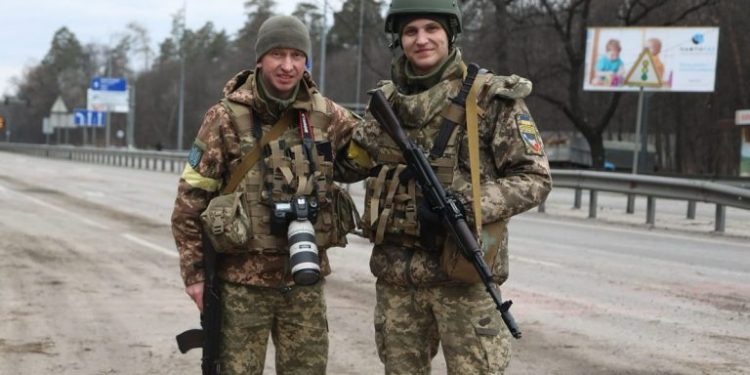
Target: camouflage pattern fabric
x: 295, y: 319
x: 418, y: 306
x: 215, y: 151
x: 411, y: 322
x: 513, y: 180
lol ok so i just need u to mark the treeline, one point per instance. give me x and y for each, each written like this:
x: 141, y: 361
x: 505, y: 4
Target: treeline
x: 543, y: 40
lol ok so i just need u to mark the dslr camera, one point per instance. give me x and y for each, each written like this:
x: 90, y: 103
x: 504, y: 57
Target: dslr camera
x: 295, y: 219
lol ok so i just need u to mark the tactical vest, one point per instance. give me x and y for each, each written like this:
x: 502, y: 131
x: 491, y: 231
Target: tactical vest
x: 285, y: 172
x: 392, y: 197
x: 391, y: 203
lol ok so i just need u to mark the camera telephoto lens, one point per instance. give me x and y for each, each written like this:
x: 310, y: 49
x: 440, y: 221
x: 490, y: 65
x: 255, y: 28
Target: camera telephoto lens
x: 303, y: 252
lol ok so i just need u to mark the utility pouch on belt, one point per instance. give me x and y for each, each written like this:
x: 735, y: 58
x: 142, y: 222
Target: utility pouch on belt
x: 225, y: 220
x: 346, y: 211
x: 458, y: 268
x: 226, y: 223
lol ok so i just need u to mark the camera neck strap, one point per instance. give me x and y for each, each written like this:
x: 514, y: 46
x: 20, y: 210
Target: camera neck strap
x: 305, y: 130
x: 307, y: 134
x: 237, y: 173
x: 306, y: 184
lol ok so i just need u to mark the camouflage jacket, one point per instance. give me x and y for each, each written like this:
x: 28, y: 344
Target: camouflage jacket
x: 514, y: 172
x: 219, y: 150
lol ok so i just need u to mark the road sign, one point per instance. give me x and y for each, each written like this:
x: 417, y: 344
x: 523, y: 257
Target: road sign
x: 61, y: 120
x: 59, y: 106
x: 742, y: 117
x: 643, y: 72
x: 47, y: 126
x: 59, y: 116
x: 109, y: 84
x: 84, y: 117
x: 107, y: 101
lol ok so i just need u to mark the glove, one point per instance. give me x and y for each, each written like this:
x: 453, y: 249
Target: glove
x: 428, y: 218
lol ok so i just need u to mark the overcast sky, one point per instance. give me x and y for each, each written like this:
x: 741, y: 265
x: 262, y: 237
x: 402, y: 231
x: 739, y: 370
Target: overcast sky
x: 27, y: 26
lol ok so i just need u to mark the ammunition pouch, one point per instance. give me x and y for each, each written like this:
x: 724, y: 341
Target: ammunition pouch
x: 347, y: 214
x: 226, y: 223
x: 494, y: 247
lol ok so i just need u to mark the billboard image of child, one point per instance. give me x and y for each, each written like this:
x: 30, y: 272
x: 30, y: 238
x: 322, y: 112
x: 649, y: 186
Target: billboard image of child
x: 610, y: 69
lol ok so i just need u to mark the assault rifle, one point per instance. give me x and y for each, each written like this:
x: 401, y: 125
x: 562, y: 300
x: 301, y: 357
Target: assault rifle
x: 208, y: 337
x: 441, y: 203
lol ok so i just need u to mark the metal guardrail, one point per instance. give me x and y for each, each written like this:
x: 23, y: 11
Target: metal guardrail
x: 651, y: 187
x: 164, y: 161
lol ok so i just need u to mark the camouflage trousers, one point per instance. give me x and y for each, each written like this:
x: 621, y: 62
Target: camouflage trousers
x: 295, y: 319
x: 410, y: 323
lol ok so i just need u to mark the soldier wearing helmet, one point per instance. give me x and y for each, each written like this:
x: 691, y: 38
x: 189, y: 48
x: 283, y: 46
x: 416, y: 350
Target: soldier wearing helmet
x: 424, y: 297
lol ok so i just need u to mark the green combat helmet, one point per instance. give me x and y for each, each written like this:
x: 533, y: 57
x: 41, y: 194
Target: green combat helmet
x: 448, y: 8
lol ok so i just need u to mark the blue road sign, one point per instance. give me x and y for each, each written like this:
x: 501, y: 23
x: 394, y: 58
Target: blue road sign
x: 82, y: 117
x: 109, y: 84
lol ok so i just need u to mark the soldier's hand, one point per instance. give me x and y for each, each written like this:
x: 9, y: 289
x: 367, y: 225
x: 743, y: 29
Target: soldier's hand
x: 195, y: 291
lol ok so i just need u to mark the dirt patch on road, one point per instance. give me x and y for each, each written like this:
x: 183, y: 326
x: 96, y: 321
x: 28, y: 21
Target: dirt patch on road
x: 36, y: 347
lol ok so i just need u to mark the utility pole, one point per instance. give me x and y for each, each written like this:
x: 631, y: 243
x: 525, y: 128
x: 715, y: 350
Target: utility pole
x: 181, y: 106
x: 131, y: 117
x: 323, y: 43
x: 359, y: 52
x: 108, y: 124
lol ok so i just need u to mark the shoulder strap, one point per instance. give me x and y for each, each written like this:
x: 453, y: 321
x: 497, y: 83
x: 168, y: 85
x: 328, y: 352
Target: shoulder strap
x: 240, y: 115
x: 453, y: 115
x: 237, y: 173
x: 319, y: 103
x: 472, y: 125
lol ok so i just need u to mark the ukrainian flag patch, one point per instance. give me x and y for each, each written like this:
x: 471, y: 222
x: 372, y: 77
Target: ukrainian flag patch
x: 195, y: 155
x: 530, y: 136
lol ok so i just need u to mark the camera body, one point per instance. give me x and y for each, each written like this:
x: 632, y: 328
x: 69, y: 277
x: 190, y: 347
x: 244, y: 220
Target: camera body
x: 295, y: 219
x: 299, y: 208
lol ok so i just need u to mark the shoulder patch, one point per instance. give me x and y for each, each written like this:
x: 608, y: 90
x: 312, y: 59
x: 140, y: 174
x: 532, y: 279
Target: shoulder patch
x: 529, y: 134
x: 195, y: 155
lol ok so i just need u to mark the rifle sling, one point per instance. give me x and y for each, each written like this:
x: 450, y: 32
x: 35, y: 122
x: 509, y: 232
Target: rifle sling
x: 453, y: 114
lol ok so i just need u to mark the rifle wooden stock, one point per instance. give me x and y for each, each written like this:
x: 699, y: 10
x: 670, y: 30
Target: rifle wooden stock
x: 441, y: 203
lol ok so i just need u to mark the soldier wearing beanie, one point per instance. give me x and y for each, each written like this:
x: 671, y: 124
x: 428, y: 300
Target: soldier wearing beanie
x: 266, y: 289
x: 427, y: 294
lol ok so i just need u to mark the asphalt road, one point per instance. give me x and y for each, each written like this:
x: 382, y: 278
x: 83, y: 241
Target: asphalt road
x: 89, y: 284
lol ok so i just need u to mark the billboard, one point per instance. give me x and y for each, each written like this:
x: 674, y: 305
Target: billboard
x: 108, y: 94
x: 683, y: 58
x: 107, y: 101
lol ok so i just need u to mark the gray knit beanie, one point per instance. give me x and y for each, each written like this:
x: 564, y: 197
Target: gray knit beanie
x: 282, y: 32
